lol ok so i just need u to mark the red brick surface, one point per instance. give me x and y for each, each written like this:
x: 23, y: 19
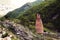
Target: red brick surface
x: 39, y: 25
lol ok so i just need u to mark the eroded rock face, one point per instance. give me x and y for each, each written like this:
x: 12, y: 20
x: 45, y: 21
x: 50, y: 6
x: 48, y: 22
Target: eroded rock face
x: 24, y: 33
x: 19, y: 30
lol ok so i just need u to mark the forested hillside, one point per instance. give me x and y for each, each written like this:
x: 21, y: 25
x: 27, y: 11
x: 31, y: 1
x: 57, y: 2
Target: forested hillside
x: 19, y: 11
x: 21, y: 22
x: 49, y: 11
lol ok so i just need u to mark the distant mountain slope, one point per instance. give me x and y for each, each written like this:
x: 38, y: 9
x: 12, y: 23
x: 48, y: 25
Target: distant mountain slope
x: 21, y: 10
x: 36, y: 2
x: 18, y: 11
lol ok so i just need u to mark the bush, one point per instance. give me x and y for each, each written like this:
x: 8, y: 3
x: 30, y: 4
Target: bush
x: 5, y: 35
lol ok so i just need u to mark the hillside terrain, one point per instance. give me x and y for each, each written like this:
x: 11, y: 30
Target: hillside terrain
x: 21, y: 22
x: 19, y: 11
x: 49, y: 11
x: 19, y: 32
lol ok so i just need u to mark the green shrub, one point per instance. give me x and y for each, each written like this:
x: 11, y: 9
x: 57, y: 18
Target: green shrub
x: 5, y: 35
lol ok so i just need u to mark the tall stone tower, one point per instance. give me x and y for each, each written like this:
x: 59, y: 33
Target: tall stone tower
x: 39, y: 24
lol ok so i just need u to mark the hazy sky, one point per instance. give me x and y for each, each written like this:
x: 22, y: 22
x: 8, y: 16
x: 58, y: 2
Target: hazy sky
x: 20, y: 2
x: 8, y: 5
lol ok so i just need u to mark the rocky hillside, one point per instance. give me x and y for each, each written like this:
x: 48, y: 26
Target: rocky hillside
x: 18, y: 30
x: 23, y: 33
x: 23, y: 26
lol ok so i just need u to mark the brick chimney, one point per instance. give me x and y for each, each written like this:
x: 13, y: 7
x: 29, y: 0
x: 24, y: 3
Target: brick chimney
x: 39, y: 24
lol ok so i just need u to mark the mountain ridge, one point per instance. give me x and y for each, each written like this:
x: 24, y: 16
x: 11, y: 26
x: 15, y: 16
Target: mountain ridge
x: 22, y: 9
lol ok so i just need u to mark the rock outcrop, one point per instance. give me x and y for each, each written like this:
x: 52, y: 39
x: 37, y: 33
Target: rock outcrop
x: 21, y: 32
x: 24, y: 33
